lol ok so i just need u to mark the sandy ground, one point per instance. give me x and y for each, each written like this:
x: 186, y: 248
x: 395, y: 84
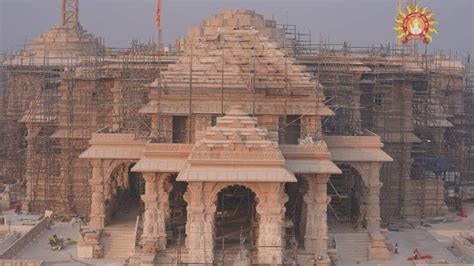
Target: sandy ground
x: 435, y: 240
x: 39, y: 249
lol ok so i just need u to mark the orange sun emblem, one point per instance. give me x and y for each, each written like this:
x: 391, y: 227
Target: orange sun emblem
x: 415, y: 24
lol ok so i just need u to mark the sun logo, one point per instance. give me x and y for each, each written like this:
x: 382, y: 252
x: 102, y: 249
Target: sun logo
x: 415, y: 24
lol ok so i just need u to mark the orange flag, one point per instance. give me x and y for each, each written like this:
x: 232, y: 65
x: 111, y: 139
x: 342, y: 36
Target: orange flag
x: 158, y: 15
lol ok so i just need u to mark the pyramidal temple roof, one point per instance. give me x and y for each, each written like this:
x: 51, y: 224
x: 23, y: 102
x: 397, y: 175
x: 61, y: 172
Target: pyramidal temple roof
x: 236, y: 53
x: 236, y: 150
x: 231, y: 43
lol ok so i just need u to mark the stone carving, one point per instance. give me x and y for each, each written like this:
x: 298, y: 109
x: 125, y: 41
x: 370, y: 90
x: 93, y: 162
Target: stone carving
x: 306, y: 141
x: 309, y: 141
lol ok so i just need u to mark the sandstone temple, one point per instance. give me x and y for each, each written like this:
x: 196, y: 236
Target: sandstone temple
x: 242, y: 144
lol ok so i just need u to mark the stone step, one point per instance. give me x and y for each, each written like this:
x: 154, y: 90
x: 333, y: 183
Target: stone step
x: 118, y: 243
x: 352, y: 236
x: 117, y: 247
x: 119, y: 237
x: 115, y: 244
x: 353, y: 246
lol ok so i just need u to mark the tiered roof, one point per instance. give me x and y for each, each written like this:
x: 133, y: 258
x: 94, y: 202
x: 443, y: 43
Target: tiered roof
x: 235, y: 56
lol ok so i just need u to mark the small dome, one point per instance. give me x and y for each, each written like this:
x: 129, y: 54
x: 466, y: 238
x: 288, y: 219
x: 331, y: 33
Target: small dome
x: 58, y: 46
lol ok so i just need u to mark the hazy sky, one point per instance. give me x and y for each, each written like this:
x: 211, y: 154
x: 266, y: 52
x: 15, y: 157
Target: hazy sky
x: 361, y: 22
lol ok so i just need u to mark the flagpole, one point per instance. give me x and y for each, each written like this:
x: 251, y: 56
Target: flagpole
x: 159, y: 50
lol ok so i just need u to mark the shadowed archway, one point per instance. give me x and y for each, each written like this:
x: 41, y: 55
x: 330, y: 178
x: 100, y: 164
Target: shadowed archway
x: 235, y: 218
x: 348, y: 198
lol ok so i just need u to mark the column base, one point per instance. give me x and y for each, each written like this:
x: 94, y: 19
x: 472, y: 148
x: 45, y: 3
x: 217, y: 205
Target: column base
x: 152, y: 245
x: 199, y: 257
x: 314, y: 259
x: 270, y: 256
x: 147, y: 260
x: 135, y: 260
x: 377, y: 249
x: 333, y: 256
x: 138, y: 259
x: 89, y: 247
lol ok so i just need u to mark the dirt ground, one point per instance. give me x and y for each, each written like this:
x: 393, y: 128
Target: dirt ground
x: 434, y: 238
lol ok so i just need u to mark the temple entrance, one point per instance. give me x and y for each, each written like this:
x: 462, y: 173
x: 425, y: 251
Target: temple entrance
x: 347, y: 209
x: 176, y: 221
x: 235, y: 227
x: 123, y: 203
x: 295, y: 218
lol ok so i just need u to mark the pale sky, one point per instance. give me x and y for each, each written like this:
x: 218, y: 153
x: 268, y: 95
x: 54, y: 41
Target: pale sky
x: 360, y: 22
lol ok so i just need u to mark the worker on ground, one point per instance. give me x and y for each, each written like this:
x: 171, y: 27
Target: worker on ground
x: 55, y: 243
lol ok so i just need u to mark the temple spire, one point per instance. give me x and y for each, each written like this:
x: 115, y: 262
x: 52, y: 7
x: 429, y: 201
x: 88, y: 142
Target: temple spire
x: 70, y: 14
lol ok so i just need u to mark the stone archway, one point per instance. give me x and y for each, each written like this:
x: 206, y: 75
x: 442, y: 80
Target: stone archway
x: 104, y: 173
x: 122, y: 191
x: 296, y: 210
x: 175, y: 206
x: 348, y: 197
x: 235, y: 219
x: 201, y: 213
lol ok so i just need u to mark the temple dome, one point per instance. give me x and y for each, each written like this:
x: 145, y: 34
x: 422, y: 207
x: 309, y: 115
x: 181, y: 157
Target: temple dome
x: 59, y: 46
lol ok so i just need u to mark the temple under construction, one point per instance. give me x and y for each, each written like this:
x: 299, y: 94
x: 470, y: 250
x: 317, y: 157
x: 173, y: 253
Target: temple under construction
x: 243, y: 136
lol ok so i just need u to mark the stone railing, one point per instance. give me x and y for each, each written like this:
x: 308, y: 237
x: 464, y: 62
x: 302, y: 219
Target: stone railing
x: 21, y: 263
x: 9, y: 239
x: 113, y: 138
x: 158, y: 148
x: 25, y: 239
x: 137, y: 233
x: 318, y: 150
x: 236, y: 155
x: 368, y: 140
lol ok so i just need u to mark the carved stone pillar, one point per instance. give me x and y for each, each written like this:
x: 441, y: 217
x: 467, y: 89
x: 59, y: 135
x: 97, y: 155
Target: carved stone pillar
x: 154, y: 231
x: 98, y: 213
x: 164, y: 188
x: 371, y: 175
x: 271, y: 210
x: 199, y: 225
x: 316, y: 200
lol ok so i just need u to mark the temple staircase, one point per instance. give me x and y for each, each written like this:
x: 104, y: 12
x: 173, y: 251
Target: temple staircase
x: 353, y: 247
x: 118, y: 243
x: 118, y: 239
